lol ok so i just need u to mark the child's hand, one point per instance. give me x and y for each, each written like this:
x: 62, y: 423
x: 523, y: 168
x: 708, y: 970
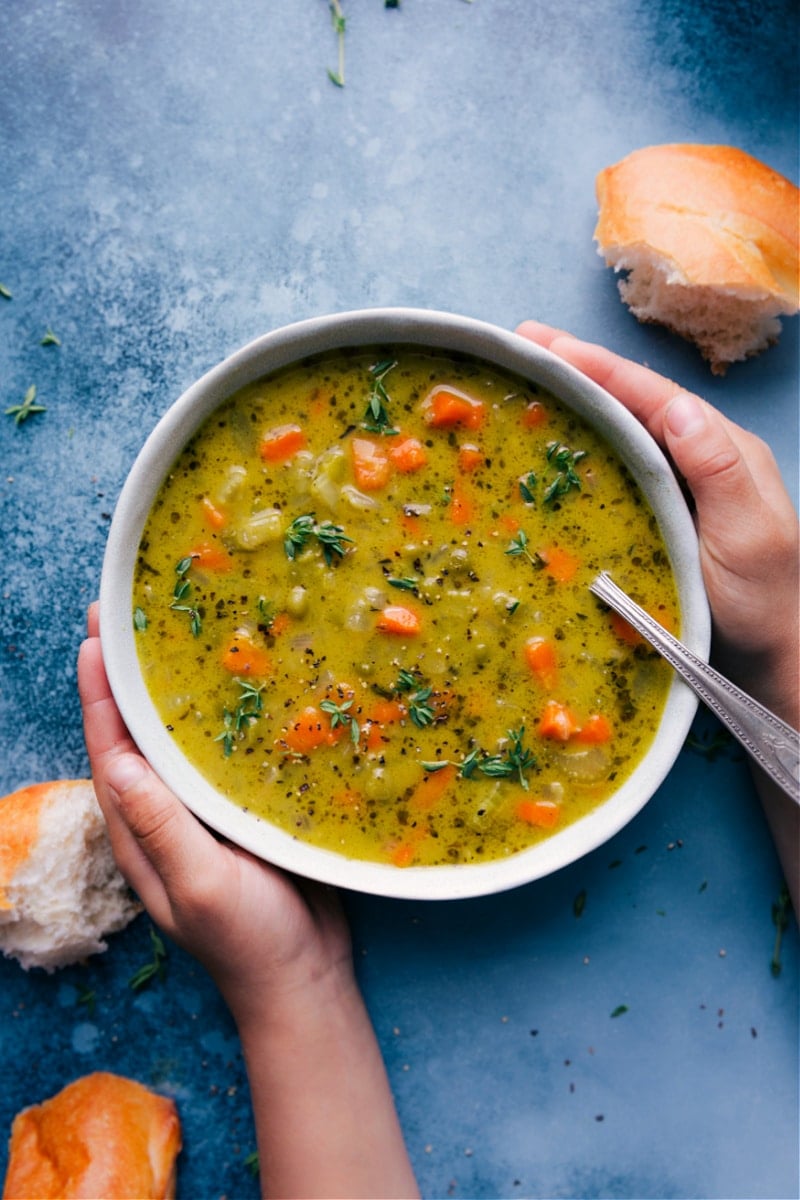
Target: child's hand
x: 259, y: 932
x: 746, y: 522
x: 748, y: 534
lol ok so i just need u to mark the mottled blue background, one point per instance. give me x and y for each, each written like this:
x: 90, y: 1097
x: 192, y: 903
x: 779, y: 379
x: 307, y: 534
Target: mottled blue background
x: 181, y: 177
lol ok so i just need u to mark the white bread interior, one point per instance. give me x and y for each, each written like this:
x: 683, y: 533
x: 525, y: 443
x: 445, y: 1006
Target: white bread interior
x: 708, y: 239
x: 62, y: 894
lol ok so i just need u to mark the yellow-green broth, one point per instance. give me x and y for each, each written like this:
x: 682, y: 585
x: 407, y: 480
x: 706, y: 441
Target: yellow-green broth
x: 269, y: 561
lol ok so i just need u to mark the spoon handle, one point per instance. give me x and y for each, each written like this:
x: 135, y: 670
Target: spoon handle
x: 770, y: 741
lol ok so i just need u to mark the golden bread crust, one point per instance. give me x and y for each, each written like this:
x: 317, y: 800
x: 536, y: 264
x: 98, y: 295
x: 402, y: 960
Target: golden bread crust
x: 719, y: 217
x: 20, y: 813
x: 101, y: 1136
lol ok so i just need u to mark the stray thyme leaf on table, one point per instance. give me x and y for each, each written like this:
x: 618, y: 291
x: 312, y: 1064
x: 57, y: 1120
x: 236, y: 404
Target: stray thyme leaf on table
x: 21, y: 412
x: 339, y: 23
x: 50, y: 339
x: 156, y: 968
x: 780, y: 919
x: 4, y: 292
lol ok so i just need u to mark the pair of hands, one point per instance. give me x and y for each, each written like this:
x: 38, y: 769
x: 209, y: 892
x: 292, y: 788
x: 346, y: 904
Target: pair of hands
x: 265, y: 938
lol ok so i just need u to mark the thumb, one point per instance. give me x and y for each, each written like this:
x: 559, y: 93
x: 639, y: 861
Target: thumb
x: 706, y: 455
x: 160, y: 847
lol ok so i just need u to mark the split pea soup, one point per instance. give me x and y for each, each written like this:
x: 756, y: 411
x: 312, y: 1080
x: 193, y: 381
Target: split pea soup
x: 361, y: 607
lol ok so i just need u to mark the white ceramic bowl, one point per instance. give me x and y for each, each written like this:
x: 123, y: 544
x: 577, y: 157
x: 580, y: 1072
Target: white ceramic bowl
x: 446, y: 332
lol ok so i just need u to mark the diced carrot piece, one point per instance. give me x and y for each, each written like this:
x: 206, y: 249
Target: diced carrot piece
x: 213, y: 514
x: 372, y: 469
x: 557, y: 722
x: 408, y: 455
x: 470, y: 458
x: 402, y: 854
x: 242, y: 656
x: 535, y: 415
x: 382, y: 713
x: 595, y: 729
x: 411, y: 526
x: 348, y: 799
x: 397, y: 618
x: 281, y: 443
x: 540, y: 655
x: 626, y: 633
x: 433, y: 786
x: 542, y: 813
x: 310, y: 729
x: 210, y: 556
x: 462, y: 509
x: 280, y: 623
x: 509, y: 523
x: 559, y: 563
x: 446, y: 409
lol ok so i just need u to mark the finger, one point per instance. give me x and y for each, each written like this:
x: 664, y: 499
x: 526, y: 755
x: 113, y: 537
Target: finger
x: 93, y: 619
x: 644, y: 393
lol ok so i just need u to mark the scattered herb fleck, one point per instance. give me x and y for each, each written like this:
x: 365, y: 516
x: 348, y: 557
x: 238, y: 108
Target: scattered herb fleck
x: 780, y: 919
x: 417, y: 698
x: 711, y: 743
x: 156, y: 968
x: 87, y: 997
x: 579, y: 903
x: 139, y: 619
x: 4, y: 292
x: 252, y: 1162
x: 619, y: 1010
x: 21, y: 412
x: 50, y: 339
x: 339, y: 23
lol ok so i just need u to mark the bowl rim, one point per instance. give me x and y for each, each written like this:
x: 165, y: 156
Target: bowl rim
x: 447, y: 332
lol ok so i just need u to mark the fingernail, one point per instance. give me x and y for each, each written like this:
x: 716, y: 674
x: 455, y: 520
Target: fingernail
x: 124, y: 772
x: 685, y: 415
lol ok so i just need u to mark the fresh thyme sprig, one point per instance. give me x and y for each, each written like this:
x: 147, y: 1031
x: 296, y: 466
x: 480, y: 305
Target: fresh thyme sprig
x: 21, y: 412
x: 514, y: 759
x: 340, y: 715
x: 248, y: 709
x: 416, y: 698
x: 519, y: 546
x: 181, y: 592
x: 330, y: 537
x: 376, y: 417
x: 567, y: 478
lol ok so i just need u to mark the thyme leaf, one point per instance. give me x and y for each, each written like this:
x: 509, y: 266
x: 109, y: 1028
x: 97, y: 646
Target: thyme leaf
x: 519, y: 546
x: 340, y: 715
x: 50, y: 339
x: 181, y: 592
x: 21, y: 412
x: 339, y: 23
x: 376, y: 417
x: 156, y: 968
x: 248, y: 709
x: 331, y: 537
x: 566, y: 479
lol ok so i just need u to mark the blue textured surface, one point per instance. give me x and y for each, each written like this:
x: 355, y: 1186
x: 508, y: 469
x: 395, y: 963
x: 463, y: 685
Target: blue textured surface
x: 181, y: 177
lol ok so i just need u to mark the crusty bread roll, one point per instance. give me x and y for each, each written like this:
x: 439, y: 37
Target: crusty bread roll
x: 102, y: 1138
x: 708, y: 237
x: 60, y: 890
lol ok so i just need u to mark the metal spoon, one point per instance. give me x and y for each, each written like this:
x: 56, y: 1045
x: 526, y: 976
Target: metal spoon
x: 770, y: 741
